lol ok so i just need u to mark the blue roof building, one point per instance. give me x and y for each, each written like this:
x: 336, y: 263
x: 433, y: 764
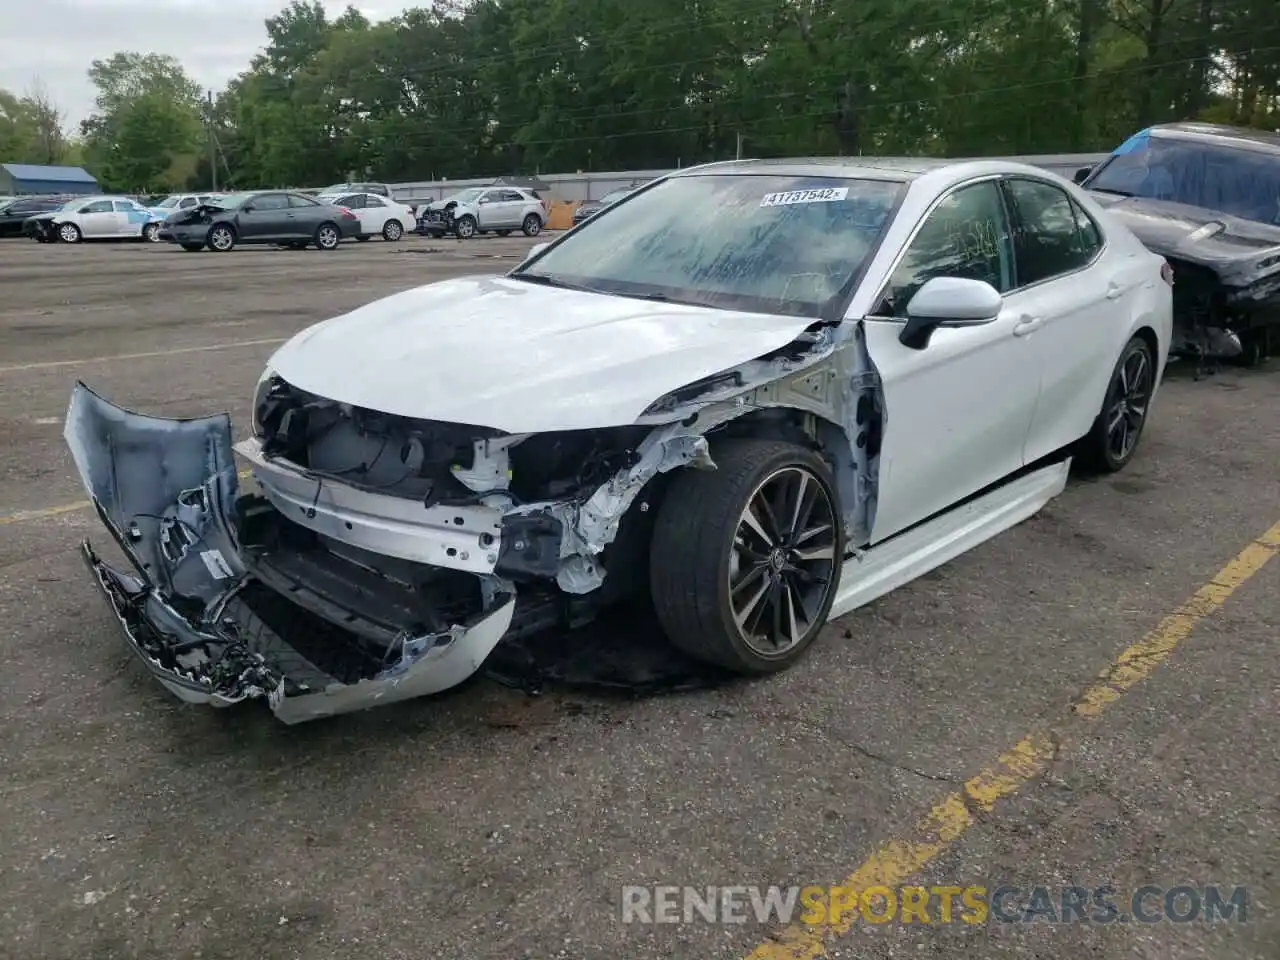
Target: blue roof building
x: 25, y: 179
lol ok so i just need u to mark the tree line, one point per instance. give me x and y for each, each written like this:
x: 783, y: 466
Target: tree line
x: 480, y: 87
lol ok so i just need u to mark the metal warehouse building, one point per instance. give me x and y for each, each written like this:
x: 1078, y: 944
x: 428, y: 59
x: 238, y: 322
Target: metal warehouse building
x: 24, y: 179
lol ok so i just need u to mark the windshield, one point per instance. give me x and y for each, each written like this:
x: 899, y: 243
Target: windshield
x: 167, y: 202
x: 777, y: 244
x: 613, y: 196
x: 466, y: 196
x: 1212, y: 175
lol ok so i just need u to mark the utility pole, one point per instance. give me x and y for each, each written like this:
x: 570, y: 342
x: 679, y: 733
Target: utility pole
x: 213, y: 146
x: 739, y: 156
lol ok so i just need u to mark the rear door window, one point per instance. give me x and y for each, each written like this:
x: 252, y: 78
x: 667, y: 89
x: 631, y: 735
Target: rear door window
x: 1047, y: 238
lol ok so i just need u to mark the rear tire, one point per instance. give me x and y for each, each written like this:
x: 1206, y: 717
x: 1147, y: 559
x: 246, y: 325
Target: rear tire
x: 745, y: 559
x: 392, y: 231
x: 1111, y: 443
x: 222, y: 239
x: 532, y: 225
x: 327, y: 236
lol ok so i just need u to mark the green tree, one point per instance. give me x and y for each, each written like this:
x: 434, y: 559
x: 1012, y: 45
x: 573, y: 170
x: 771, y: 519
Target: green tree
x: 146, y: 133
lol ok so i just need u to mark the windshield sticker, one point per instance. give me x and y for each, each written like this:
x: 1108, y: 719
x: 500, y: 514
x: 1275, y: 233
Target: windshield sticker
x: 788, y: 197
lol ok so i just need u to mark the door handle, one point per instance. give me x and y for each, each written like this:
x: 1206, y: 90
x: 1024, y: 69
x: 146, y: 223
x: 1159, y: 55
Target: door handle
x: 1114, y: 291
x: 1025, y: 325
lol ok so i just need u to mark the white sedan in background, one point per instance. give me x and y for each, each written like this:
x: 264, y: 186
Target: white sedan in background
x: 93, y: 218
x: 378, y: 216
x: 753, y: 397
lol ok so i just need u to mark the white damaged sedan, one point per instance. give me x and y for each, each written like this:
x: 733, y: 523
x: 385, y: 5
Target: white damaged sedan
x: 756, y: 395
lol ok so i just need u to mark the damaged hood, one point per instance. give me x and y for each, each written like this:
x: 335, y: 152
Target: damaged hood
x: 519, y: 357
x: 1209, y: 237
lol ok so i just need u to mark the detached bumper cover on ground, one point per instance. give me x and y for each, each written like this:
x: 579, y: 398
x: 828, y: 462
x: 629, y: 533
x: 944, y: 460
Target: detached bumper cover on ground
x: 191, y: 609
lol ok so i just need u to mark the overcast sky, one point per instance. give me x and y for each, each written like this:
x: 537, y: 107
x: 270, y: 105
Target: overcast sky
x: 55, y: 40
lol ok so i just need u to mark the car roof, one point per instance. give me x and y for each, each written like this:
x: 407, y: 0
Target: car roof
x: 1263, y: 140
x: 899, y: 169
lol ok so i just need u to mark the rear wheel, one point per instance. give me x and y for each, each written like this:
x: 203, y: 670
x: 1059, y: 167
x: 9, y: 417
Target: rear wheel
x: 327, y: 237
x: 745, y: 559
x: 69, y: 233
x: 1112, y: 442
x: 532, y: 225
x: 392, y: 230
x: 221, y: 238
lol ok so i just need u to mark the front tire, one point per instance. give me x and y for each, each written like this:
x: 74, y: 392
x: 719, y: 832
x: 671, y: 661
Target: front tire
x: 69, y: 233
x: 1113, y: 440
x: 532, y: 225
x: 465, y: 227
x: 745, y: 559
x: 151, y: 233
x: 222, y: 239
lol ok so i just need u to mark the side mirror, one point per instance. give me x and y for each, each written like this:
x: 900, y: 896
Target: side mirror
x: 1081, y: 175
x: 247, y: 208
x: 954, y: 301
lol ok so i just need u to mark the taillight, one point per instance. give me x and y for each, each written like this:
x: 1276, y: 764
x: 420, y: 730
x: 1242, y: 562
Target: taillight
x: 347, y: 214
x: 1166, y: 273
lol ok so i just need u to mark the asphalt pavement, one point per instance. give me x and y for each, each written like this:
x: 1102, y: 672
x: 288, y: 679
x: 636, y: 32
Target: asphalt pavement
x: 954, y: 733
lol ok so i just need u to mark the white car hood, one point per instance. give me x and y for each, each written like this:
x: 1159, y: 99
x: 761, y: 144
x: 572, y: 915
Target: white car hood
x: 522, y: 358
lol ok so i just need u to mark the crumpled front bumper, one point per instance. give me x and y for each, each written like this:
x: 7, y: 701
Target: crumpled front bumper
x: 247, y: 672
x: 166, y: 490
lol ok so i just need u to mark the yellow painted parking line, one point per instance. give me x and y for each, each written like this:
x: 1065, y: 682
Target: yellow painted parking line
x: 896, y: 860
x: 45, y: 513
x: 151, y: 354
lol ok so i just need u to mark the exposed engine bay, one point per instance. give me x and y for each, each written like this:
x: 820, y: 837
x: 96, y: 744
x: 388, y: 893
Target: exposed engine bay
x: 1214, y: 319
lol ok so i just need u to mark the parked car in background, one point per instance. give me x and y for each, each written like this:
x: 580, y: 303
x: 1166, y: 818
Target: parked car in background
x: 381, y: 189
x: 163, y: 206
x: 14, y: 211
x: 1207, y: 198
x: 499, y: 210
x: 755, y: 396
x: 278, y: 217
x: 591, y: 207
x: 91, y: 218
x: 378, y: 216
